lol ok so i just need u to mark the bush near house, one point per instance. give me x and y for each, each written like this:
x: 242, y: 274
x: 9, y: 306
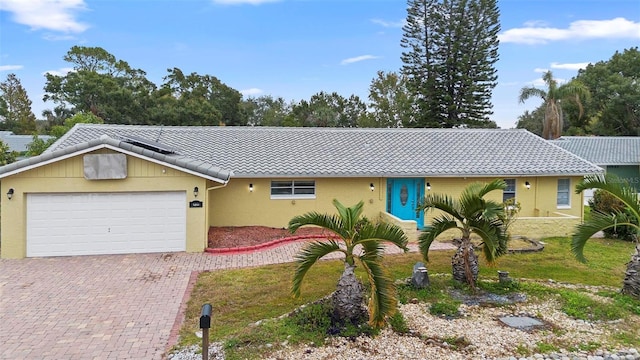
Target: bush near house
x: 606, y: 203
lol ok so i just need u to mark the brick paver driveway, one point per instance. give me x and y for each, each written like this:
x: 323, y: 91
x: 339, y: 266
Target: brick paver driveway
x: 104, y: 307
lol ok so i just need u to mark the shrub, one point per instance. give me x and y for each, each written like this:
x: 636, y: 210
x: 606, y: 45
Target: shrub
x: 445, y: 308
x: 606, y: 203
x: 398, y: 323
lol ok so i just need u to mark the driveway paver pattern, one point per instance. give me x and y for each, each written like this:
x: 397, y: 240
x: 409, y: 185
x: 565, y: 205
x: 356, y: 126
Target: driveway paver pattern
x: 106, y: 306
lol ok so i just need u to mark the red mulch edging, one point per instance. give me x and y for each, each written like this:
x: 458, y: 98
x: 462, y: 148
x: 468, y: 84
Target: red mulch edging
x: 263, y: 246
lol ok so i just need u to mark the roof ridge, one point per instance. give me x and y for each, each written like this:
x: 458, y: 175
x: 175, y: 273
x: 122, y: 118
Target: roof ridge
x: 286, y: 128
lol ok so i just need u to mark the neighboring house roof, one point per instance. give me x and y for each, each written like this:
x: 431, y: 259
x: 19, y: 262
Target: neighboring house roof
x: 19, y: 143
x: 603, y: 150
x: 181, y: 162
x: 353, y: 152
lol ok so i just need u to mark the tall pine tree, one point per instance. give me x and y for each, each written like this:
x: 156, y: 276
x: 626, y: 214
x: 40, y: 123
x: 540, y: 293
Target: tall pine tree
x: 451, y: 48
x: 16, y: 114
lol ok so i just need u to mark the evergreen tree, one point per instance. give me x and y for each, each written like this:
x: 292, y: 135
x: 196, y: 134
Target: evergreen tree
x: 101, y: 84
x: 614, y: 107
x: 16, y: 111
x: 451, y: 48
x: 390, y: 103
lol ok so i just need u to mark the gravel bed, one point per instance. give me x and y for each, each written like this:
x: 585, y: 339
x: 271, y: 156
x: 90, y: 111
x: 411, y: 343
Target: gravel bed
x: 195, y: 353
x: 476, y: 334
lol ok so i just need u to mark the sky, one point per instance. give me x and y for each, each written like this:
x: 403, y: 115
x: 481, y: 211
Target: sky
x: 296, y: 48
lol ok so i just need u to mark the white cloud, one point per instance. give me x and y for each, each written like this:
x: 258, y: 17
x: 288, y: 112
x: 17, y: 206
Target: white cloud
x: 55, y: 15
x: 59, y: 72
x: 251, y: 92
x: 357, y: 59
x: 240, y: 2
x: 540, y: 70
x: 535, y: 23
x: 389, y: 24
x: 533, y: 33
x: 569, y: 66
x: 10, y: 67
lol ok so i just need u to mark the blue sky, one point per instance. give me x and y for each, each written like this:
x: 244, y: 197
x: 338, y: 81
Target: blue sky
x: 296, y: 48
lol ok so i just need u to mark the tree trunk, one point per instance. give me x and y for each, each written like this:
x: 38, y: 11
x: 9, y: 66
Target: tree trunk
x: 348, y: 300
x: 552, y: 126
x: 631, y: 282
x: 465, y: 264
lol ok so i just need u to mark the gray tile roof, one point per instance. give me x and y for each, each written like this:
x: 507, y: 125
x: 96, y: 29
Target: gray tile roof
x: 331, y: 152
x: 19, y: 143
x: 180, y: 161
x: 603, y: 150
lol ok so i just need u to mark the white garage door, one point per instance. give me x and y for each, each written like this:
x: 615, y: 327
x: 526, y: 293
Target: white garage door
x: 105, y: 223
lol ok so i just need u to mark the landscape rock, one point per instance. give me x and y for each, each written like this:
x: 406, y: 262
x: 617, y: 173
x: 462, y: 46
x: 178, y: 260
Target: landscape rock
x: 420, y: 276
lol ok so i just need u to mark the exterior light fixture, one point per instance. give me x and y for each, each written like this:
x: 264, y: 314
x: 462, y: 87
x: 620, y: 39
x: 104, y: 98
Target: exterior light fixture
x: 250, y: 187
x: 527, y: 185
x: 428, y: 186
x: 195, y: 191
x: 372, y: 187
x: 10, y: 194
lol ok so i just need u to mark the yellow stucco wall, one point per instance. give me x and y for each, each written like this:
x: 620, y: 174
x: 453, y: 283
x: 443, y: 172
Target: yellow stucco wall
x: 541, y: 227
x: 539, y: 214
x: 66, y: 176
x: 235, y: 205
x: 539, y: 200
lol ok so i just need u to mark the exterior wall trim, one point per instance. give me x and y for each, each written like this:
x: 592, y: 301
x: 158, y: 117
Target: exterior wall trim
x: 114, y: 148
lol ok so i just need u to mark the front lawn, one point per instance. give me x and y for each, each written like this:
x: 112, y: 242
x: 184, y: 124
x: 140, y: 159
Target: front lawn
x: 243, y: 297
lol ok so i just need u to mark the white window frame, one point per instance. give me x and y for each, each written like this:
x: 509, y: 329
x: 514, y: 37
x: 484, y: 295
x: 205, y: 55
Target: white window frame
x: 293, y: 186
x: 568, y: 192
x: 514, y: 192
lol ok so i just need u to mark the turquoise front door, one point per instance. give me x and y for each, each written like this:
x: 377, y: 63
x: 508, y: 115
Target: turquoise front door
x: 403, y: 196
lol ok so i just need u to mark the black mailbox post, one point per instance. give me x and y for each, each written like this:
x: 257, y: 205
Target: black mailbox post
x: 205, y: 325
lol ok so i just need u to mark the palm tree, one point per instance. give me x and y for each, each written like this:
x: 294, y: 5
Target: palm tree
x: 356, y: 233
x: 553, y: 97
x: 471, y: 214
x: 600, y: 221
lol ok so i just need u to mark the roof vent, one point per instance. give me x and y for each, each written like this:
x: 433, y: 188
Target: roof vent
x: 149, y: 144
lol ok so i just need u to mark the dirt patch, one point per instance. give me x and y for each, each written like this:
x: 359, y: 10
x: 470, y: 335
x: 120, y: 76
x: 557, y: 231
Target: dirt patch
x: 242, y: 236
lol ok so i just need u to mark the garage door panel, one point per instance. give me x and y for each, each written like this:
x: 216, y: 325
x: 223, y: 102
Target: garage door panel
x: 105, y: 223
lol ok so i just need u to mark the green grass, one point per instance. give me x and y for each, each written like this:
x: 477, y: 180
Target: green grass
x: 244, y: 296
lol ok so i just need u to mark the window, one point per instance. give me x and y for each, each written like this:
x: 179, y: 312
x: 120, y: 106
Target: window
x: 293, y: 189
x: 510, y: 191
x: 564, y: 186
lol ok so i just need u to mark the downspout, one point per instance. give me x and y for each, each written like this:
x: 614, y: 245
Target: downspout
x: 207, y: 207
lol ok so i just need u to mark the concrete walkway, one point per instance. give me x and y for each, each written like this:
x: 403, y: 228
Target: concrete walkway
x: 107, y: 307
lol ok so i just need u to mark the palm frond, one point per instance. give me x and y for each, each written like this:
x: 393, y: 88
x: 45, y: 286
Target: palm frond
x: 616, y: 187
x: 329, y: 222
x: 439, y: 225
x: 472, y: 198
x: 494, y: 238
x: 441, y: 202
x: 307, y: 257
x: 493, y: 210
x: 529, y: 91
x: 575, y: 90
x: 372, y: 249
x: 383, y: 300
x: 598, y: 222
x: 382, y: 232
x: 485, y: 188
x: 349, y: 215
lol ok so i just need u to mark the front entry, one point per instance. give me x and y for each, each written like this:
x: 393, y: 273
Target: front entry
x: 403, y: 196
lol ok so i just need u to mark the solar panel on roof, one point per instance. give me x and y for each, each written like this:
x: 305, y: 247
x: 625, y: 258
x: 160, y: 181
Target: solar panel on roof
x: 149, y: 144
